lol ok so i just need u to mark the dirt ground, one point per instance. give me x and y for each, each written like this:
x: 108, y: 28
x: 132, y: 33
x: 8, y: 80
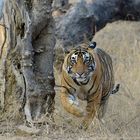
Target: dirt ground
x: 122, y: 120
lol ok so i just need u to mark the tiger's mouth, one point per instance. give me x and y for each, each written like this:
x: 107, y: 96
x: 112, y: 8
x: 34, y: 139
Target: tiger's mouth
x: 81, y: 79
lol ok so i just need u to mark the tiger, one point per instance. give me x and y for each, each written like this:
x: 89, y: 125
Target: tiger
x: 87, y: 75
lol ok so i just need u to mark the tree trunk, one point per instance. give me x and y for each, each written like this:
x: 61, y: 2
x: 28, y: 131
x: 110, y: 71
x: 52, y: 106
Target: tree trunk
x: 26, y: 60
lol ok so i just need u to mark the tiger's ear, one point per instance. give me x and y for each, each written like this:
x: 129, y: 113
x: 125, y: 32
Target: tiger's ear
x: 66, y: 51
x: 92, y: 45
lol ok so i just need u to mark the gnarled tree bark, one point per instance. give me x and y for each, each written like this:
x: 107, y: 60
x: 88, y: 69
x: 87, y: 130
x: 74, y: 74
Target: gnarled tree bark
x: 26, y: 59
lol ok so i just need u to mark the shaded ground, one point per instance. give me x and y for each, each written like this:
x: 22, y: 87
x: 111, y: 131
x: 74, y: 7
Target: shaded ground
x: 122, y: 120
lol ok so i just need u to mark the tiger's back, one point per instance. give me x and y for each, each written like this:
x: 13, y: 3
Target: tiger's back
x: 108, y: 73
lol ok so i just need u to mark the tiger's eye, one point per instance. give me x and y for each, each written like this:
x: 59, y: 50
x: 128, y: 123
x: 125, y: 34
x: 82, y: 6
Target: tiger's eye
x: 73, y: 61
x: 72, y: 58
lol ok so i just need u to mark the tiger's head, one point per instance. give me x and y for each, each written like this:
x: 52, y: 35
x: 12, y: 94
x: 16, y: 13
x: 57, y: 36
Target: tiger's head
x: 80, y: 63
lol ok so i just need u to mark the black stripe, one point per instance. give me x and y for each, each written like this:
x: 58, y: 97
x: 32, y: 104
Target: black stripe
x: 64, y: 87
x: 76, y: 82
x: 105, y: 97
x: 88, y: 99
x: 68, y: 84
x: 92, y: 85
x: 92, y: 93
x: 95, y: 90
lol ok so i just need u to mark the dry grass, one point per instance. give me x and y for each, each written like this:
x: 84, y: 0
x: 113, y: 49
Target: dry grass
x: 122, y: 120
x: 122, y: 41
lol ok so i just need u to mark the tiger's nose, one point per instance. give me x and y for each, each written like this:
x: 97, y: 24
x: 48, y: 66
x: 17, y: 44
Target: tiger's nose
x: 80, y: 73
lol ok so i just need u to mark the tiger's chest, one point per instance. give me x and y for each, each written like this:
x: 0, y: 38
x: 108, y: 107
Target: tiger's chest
x: 82, y: 92
x: 91, y: 88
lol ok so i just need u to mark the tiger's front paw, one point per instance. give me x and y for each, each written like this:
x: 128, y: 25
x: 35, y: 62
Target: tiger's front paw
x: 73, y: 100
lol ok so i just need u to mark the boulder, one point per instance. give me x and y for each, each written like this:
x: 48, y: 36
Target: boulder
x: 76, y: 23
x: 86, y: 18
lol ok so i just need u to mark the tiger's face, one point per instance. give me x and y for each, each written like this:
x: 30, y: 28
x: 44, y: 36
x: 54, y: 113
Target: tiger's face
x: 80, y: 64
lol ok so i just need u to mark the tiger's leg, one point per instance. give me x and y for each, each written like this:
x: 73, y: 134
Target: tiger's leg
x: 91, y: 109
x: 102, y: 109
x: 70, y: 104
